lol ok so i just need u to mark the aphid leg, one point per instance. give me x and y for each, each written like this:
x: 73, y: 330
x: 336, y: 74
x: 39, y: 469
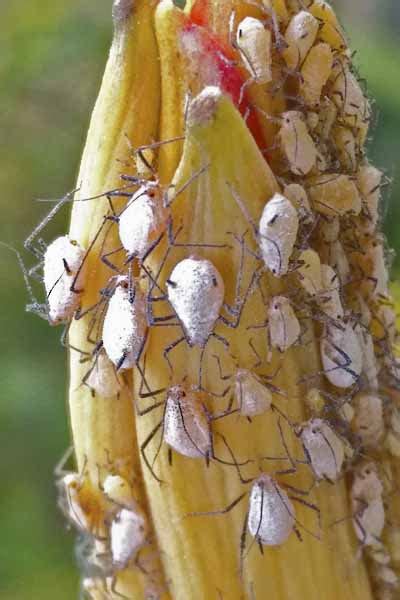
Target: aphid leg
x: 108, y: 263
x: 169, y: 348
x: 65, y: 343
x: 168, y: 201
x: 311, y: 506
x: 144, y: 445
x: 243, y: 538
x: 222, y: 511
x: 59, y: 469
x: 234, y: 461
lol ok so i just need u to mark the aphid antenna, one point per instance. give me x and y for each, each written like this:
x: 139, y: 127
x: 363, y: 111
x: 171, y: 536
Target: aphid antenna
x: 169, y: 201
x: 234, y: 461
x: 345, y: 366
x: 60, y: 470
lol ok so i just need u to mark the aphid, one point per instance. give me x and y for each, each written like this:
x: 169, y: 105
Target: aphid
x: 350, y: 100
x: 309, y: 272
x: 125, y: 324
x: 329, y: 300
x: 298, y: 197
x: 327, y: 118
x: 300, y: 35
x: 330, y: 31
x: 80, y: 504
x: 196, y: 292
x: 254, y: 42
x: 329, y: 228
x: 370, y: 367
x: 102, y: 377
x: 339, y: 262
x: 341, y: 355
x: 368, y: 420
x: 283, y: 325
x: 278, y: 229
x: 119, y: 492
x: 186, y: 426
x: 346, y: 147
x: 372, y: 261
x: 271, y: 517
x: 392, y: 440
x: 334, y: 195
x: 252, y: 395
x: 297, y: 144
x: 369, y: 181
x: 315, y: 73
x: 367, y: 505
x: 128, y: 533
x: 323, y: 448
x: 63, y: 278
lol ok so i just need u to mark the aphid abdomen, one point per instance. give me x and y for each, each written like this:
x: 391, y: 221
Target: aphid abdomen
x: 324, y: 449
x: 368, y: 422
x: 196, y: 292
x: 297, y: 144
x: 252, y: 397
x: 278, y: 229
x: 103, y: 378
x: 128, y: 534
x: 284, y: 327
x: 254, y: 43
x: 125, y: 326
x: 186, y: 427
x: 271, y: 514
x: 300, y: 36
x: 341, y: 355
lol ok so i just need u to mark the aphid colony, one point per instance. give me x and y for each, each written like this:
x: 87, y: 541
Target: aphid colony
x: 316, y: 240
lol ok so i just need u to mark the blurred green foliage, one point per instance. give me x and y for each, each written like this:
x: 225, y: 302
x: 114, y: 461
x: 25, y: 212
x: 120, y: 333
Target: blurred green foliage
x: 52, y: 57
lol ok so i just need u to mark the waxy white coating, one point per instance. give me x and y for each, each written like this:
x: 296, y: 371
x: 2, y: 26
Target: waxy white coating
x: 186, y: 427
x: 141, y: 221
x: 128, y: 534
x: 103, y: 378
x: 278, y: 229
x: 323, y: 448
x: 300, y: 35
x: 119, y: 492
x: 59, y: 277
x: 297, y: 144
x: 271, y: 513
x: 196, y: 292
x: 283, y: 325
x: 367, y: 505
x: 254, y: 42
x: 125, y: 325
x: 341, y: 355
x: 252, y: 397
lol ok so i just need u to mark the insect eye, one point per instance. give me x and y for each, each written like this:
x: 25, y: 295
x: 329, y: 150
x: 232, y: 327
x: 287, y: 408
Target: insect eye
x: 214, y: 281
x: 173, y: 284
x: 74, y: 243
x: 125, y: 285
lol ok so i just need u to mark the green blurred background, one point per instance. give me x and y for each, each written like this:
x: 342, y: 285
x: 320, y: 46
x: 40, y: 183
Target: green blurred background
x: 51, y: 59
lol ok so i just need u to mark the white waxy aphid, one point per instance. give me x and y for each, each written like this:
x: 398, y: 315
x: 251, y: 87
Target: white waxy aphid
x: 339, y: 261
x: 271, y: 514
x: 368, y: 420
x: 370, y: 366
x: 341, y: 355
x: 186, y: 426
x: 329, y: 300
x: 128, y: 534
x: 283, y: 325
x: 278, y: 229
x: 369, y: 179
x: 254, y: 42
x: 298, y: 197
x: 252, y: 397
x: 315, y: 73
x: 103, y: 378
x: 346, y: 147
x: 330, y: 31
x: 141, y: 221
x: 70, y: 486
x: 196, y: 292
x: 367, y: 505
x: 62, y: 261
x: 334, y: 195
x: 125, y: 324
x: 350, y: 100
x: 296, y: 143
x: 300, y: 35
x: 323, y: 448
x: 309, y: 272
x: 119, y: 492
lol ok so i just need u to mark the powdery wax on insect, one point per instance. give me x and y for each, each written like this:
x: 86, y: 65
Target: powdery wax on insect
x: 284, y: 327
x: 186, y: 426
x: 252, y: 397
x: 329, y: 300
x: 341, y: 355
x: 300, y: 35
x: 254, y: 42
x: 125, y: 324
x: 315, y: 73
x: 62, y: 260
x: 119, y: 492
x: 103, y: 378
x: 368, y: 420
x: 367, y: 505
x: 196, y: 291
x: 297, y: 144
x: 278, y: 229
x: 334, y: 195
x: 128, y: 534
x: 323, y: 448
x: 309, y: 272
x: 271, y: 514
x: 141, y: 221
